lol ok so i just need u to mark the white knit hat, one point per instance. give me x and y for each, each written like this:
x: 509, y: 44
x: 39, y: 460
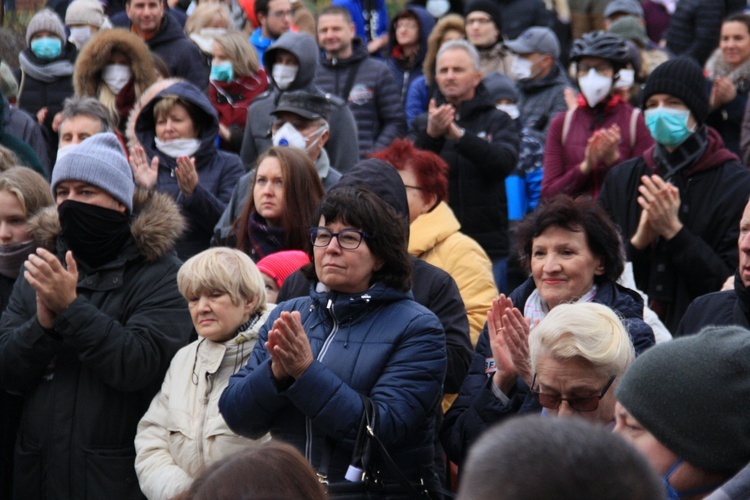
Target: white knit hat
x: 45, y: 20
x: 88, y: 12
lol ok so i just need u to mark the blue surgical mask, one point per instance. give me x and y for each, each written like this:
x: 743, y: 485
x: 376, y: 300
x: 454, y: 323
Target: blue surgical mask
x: 46, y: 47
x: 222, y: 71
x: 668, y: 126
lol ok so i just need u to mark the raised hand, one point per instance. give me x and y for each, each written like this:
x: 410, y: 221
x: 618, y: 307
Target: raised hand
x: 144, y: 173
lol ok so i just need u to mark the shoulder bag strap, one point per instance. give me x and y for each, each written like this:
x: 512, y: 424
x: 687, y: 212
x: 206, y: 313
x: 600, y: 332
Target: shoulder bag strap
x: 633, y: 125
x: 350, y: 81
x: 566, y: 125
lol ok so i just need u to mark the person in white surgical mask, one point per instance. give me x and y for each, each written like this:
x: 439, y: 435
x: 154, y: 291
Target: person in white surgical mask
x: 84, y: 19
x: 179, y: 156
x: 116, y: 68
x: 584, y: 143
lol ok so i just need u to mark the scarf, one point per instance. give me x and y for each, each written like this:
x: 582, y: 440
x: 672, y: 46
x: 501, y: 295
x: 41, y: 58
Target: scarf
x: 264, y: 240
x: 124, y: 102
x: 13, y: 255
x: 46, y: 73
x: 686, y: 155
x: 536, y: 307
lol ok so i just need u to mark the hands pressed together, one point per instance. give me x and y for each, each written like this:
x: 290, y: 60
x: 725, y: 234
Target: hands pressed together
x: 146, y: 174
x: 441, y: 121
x: 660, y: 204
x: 289, y: 347
x: 55, y: 286
x: 509, y: 340
x: 602, y: 148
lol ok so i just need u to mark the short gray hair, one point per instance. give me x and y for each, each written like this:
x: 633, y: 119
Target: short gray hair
x: 89, y: 106
x: 460, y: 45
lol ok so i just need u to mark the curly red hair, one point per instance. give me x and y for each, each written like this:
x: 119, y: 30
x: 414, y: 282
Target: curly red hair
x: 431, y: 170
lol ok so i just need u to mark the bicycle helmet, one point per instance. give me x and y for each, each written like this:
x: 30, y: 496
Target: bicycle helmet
x: 600, y: 44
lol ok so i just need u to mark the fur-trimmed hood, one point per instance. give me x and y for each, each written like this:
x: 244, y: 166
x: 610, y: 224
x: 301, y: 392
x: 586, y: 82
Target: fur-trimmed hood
x: 717, y: 67
x: 146, y: 98
x: 96, y: 54
x: 156, y: 226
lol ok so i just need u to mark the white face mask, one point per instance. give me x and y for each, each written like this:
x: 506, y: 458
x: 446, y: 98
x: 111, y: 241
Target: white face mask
x: 521, y: 68
x: 437, y: 8
x: 284, y: 75
x: 116, y: 76
x: 594, y: 87
x: 178, y: 147
x: 287, y: 135
x: 79, y: 36
x: 510, y: 109
x: 65, y: 150
x: 626, y: 79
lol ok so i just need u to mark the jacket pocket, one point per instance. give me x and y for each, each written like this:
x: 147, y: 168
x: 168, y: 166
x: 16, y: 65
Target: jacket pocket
x: 27, y: 471
x: 110, y: 473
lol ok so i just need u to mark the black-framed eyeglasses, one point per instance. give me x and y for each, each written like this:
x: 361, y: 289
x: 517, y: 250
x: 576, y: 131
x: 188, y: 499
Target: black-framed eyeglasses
x: 578, y: 404
x: 413, y: 187
x: 348, y: 239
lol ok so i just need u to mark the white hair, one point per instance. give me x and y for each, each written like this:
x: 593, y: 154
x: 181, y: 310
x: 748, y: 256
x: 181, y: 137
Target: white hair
x: 460, y: 45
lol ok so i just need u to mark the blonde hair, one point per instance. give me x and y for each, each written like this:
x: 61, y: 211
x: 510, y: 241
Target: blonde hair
x: 32, y: 191
x: 225, y: 270
x: 8, y: 158
x: 240, y: 53
x: 206, y: 14
x: 587, y: 331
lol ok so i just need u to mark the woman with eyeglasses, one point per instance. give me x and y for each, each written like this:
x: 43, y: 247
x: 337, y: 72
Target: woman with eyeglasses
x: 358, y: 336
x: 574, y: 253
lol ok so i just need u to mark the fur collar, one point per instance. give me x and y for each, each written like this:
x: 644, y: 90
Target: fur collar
x: 718, y: 67
x: 95, y: 55
x: 156, y: 226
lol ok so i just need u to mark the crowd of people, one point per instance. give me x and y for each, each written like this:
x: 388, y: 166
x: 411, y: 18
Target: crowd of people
x: 249, y: 249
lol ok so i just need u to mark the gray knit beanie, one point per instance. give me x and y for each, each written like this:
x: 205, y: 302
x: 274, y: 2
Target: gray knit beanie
x: 45, y: 20
x: 693, y: 395
x: 88, y: 12
x: 100, y: 161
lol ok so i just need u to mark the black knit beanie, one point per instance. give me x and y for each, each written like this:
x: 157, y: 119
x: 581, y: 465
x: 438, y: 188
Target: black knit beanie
x: 693, y: 395
x: 490, y: 7
x: 680, y: 77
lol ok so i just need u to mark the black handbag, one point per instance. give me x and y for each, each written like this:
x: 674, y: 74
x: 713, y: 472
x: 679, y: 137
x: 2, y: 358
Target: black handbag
x: 363, y: 479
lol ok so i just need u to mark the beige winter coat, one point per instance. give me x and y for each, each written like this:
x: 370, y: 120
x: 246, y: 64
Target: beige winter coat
x: 182, y: 432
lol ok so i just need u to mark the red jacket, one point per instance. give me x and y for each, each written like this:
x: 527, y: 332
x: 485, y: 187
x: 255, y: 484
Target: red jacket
x: 231, y: 99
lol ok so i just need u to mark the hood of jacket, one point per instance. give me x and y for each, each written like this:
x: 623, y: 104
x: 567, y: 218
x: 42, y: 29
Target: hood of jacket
x: 304, y: 48
x: 359, y: 53
x: 156, y: 224
x: 426, y: 23
x: 145, y: 98
x: 208, y: 124
x: 555, y: 77
x: 94, y: 56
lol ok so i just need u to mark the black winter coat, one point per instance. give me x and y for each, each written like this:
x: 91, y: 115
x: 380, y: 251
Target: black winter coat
x: 479, y: 163
x: 477, y: 408
x: 694, y: 28
x: 704, y: 253
x: 728, y: 307
x: 88, y: 382
x: 373, y: 97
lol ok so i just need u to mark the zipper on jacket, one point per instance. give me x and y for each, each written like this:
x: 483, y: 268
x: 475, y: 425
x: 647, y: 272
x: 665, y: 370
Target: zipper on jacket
x: 321, y: 355
x: 204, y: 410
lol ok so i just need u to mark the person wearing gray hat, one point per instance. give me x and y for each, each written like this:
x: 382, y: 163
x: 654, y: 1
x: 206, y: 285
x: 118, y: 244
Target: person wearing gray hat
x: 684, y: 404
x: 91, y: 326
x: 541, y: 80
x: 619, y: 8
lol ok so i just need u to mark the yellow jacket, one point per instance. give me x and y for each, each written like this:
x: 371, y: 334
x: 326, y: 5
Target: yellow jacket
x: 435, y: 237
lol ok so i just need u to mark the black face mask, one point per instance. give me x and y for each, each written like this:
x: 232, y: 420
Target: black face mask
x: 95, y: 234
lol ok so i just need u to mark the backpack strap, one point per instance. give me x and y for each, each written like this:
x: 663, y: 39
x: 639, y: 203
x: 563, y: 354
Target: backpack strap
x: 633, y: 124
x: 566, y: 124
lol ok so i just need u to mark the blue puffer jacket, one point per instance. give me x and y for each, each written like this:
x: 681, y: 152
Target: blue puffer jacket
x: 218, y: 171
x: 380, y: 344
x: 477, y: 408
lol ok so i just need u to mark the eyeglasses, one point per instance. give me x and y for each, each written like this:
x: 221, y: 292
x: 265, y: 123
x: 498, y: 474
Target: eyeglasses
x: 601, y: 68
x: 578, y: 404
x: 348, y: 239
x: 280, y: 14
x: 413, y: 187
x: 478, y: 20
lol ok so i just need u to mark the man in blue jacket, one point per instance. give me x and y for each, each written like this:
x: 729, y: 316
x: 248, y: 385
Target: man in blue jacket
x: 275, y: 18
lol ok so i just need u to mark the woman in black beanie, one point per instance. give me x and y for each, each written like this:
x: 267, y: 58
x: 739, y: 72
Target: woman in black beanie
x: 679, y: 204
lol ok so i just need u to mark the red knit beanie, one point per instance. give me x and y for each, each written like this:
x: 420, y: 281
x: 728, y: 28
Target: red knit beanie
x: 280, y: 265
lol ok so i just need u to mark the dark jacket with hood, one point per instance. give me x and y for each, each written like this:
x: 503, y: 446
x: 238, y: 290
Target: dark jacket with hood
x: 477, y: 408
x: 432, y: 287
x: 23, y: 151
x: 182, y: 56
x: 218, y: 171
x: 406, y: 72
x: 713, y: 193
x: 373, y: 96
x: 542, y: 99
x: 20, y: 124
x: 694, y: 28
x: 342, y: 143
x: 479, y: 163
x: 727, y: 307
x: 88, y: 382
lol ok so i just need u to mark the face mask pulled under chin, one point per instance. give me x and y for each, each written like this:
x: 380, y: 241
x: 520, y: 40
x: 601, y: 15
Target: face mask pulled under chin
x: 594, y: 87
x: 284, y: 75
x: 178, y: 147
x: 116, y: 76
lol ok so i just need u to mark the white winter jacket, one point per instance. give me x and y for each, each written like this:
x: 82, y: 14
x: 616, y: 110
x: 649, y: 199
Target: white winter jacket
x: 182, y: 432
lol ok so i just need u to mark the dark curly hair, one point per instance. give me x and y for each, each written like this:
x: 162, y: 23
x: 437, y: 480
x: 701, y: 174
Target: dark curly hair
x: 362, y: 209
x: 574, y: 214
